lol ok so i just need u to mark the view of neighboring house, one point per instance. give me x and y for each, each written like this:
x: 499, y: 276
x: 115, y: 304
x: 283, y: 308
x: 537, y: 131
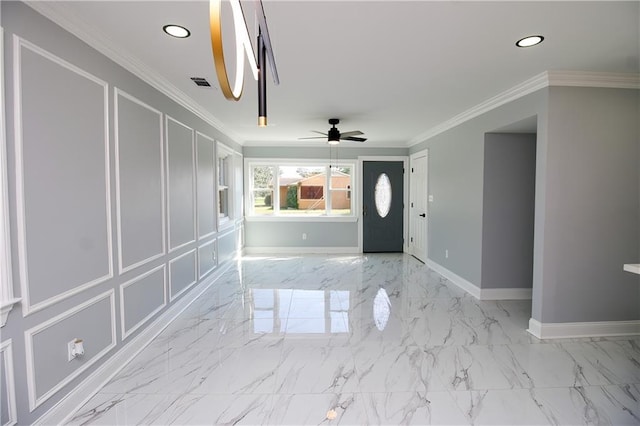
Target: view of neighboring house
x: 311, y: 191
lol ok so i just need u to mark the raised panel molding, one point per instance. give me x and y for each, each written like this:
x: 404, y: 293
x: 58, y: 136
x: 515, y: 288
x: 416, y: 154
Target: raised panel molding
x: 125, y: 268
x: 6, y: 348
x: 65, y: 16
x: 201, y: 249
x: 195, y: 274
x: 127, y: 332
x: 194, y: 207
x: 62, y: 412
x: 199, y: 233
x: 27, y: 306
x: 34, y: 400
x: 6, y: 277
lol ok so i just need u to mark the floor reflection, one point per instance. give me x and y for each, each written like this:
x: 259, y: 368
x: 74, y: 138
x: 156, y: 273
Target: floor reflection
x: 296, y: 311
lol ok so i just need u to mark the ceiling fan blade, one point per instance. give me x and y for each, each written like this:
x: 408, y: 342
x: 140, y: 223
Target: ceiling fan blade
x: 351, y: 133
x: 353, y: 139
x: 314, y: 137
x: 320, y: 133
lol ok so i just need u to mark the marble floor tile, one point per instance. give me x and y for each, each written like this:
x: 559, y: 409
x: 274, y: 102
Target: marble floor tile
x: 318, y: 409
x: 363, y: 339
x: 412, y: 408
x: 316, y: 370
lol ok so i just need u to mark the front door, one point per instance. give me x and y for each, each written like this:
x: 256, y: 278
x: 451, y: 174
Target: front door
x: 382, y: 206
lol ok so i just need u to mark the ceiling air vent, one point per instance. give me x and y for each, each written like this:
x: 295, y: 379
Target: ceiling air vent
x: 201, y: 82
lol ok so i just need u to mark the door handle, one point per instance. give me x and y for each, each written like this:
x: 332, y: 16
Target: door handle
x: 364, y: 210
x: 423, y: 215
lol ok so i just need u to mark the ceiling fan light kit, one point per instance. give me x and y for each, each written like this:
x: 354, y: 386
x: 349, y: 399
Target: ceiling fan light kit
x: 334, y: 136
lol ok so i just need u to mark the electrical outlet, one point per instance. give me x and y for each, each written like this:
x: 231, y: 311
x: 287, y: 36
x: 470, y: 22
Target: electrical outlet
x: 304, y: 236
x: 75, y: 349
x: 431, y: 198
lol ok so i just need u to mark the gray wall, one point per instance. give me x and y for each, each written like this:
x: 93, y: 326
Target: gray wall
x: 456, y: 176
x: 288, y: 234
x: 590, y: 207
x: 106, y: 196
x: 587, y: 200
x: 508, y: 207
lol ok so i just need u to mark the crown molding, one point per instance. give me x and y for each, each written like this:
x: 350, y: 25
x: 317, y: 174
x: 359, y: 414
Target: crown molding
x: 594, y: 79
x: 63, y: 16
x: 540, y: 81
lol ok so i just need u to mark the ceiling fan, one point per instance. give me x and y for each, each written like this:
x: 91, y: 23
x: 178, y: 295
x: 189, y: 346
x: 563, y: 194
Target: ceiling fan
x: 334, y: 136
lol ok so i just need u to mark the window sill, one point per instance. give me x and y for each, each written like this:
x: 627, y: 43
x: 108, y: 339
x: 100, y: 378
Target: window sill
x: 5, y: 308
x: 320, y: 219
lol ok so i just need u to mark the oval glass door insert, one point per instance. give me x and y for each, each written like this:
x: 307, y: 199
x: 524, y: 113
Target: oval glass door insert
x: 382, y: 195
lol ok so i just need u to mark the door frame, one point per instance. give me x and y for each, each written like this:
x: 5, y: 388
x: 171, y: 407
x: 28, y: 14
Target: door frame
x: 405, y: 197
x: 412, y: 189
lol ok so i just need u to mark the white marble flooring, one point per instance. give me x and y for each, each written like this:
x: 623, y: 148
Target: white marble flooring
x: 371, y: 339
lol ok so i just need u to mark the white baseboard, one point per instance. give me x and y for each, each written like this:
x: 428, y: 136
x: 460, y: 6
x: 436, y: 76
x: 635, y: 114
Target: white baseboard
x: 66, y: 407
x: 568, y: 330
x: 505, y: 293
x: 301, y: 250
x: 467, y: 286
x: 481, y: 293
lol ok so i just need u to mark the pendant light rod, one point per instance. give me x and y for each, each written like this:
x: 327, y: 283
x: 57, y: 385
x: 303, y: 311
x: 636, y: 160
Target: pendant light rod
x: 262, y: 22
x: 262, y: 80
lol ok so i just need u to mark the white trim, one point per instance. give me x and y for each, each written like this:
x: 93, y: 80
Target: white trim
x: 121, y: 268
x: 223, y: 151
x: 5, y: 308
x: 302, y: 250
x: 568, y: 330
x: 634, y: 268
x: 531, y: 85
x: 215, y: 254
x: 172, y: 297
x: 6, y: 276
x: 537, y: 82
x: 27, y: 307
x: 456, y: 279
x: 67, y: 407
x: 405, y: 197
x: 34, y: 400
x: 213, y: 171
x: 64, y: 16
x: 317, y: 219
x: 7, y: 348
x: 193, y: 185
x: 505, y: 293
x: 594, y: 79
x: 126, y: 333
x: 412, y: 194
x: 250, y: 162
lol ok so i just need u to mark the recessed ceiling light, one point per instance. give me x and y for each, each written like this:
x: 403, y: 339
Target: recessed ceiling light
x: 529, y: 41
x: 176, y: 31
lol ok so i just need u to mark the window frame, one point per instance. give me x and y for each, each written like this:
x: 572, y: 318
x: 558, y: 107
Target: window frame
x: 224, y: 156
x: 276, y: 163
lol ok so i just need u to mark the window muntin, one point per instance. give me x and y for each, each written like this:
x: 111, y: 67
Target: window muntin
x: 299, y: 189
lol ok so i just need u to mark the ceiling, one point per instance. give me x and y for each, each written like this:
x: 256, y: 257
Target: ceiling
x: 392, y: 69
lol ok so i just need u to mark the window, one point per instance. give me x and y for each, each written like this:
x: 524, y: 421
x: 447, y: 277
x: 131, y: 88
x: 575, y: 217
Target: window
x: 225, y: 169
x: 297, y: 188
x: 223, y: 186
